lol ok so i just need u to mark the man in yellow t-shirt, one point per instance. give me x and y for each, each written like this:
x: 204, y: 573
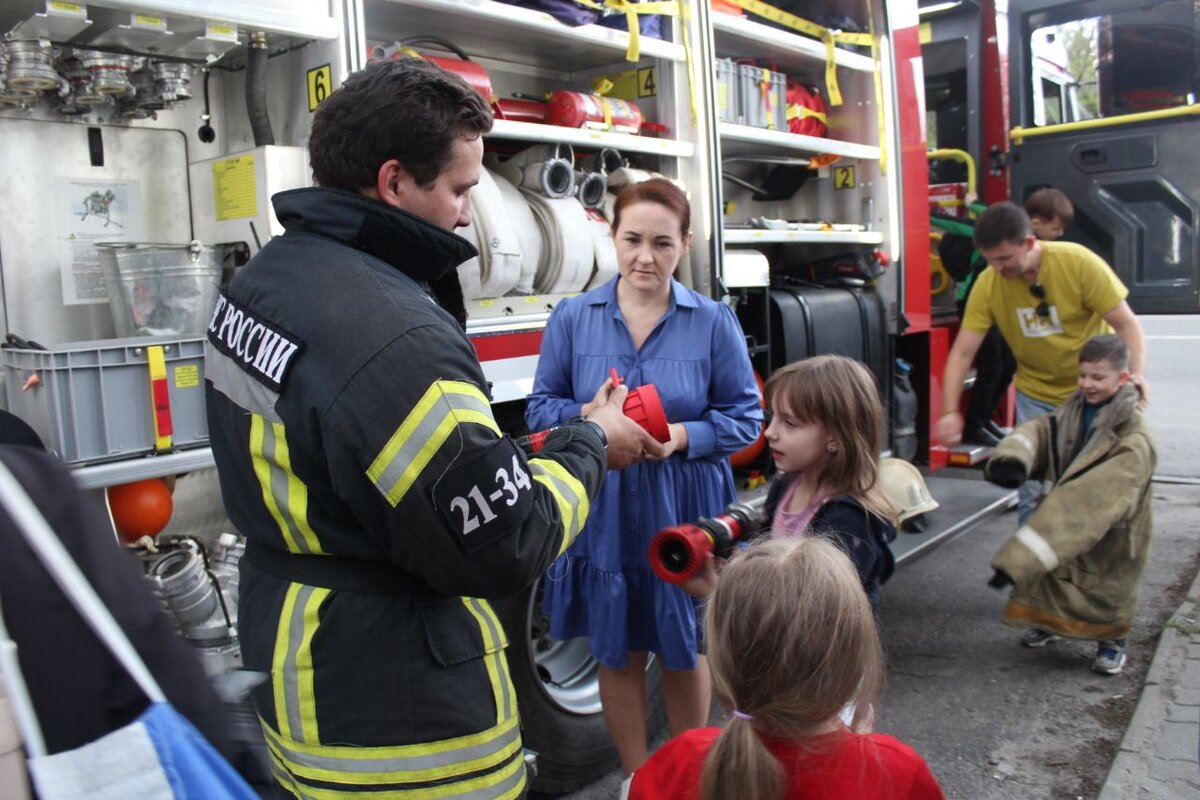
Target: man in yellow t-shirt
x: 1046, y: 299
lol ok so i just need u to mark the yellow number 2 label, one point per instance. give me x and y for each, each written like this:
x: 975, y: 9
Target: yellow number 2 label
x: 843, y: 178
x: 320, y: 84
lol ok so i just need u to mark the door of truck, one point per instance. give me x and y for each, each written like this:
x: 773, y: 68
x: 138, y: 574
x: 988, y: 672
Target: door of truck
x: 1103, y: 96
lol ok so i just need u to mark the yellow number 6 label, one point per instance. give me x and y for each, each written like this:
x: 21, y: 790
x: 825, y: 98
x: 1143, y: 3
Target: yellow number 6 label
x: 320, y: 84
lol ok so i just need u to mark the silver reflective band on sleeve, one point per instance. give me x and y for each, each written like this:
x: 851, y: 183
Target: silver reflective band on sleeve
x: 1038, y: 546
x: 569, y: 496
x: 1024, y: 441
x: 443, y: 407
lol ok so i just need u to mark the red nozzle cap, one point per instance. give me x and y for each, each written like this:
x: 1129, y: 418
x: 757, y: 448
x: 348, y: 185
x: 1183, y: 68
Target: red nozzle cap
x: 644, y: 407
x: 616, y: 379
x: 677, y: 553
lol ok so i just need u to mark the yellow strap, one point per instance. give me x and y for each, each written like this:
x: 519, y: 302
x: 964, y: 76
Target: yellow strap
x: 880, y: 119
x: 631, y: 9
x: 693, y: 98
x: 831, y: 81
x: 606, y: 107
x: 797, y: 111
x: 158, y: 372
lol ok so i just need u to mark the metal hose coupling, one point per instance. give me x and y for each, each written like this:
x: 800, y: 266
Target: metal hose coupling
x: 590, y: 188
x: 553, y: 178
x: 192, y: 595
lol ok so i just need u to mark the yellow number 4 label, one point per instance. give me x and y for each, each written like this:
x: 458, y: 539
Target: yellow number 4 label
x: 843, y: 178
x: 647, y: 82
x: 320, y: 84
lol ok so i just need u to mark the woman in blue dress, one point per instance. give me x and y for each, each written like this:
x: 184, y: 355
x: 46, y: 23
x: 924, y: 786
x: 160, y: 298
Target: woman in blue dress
x: 651, y: 329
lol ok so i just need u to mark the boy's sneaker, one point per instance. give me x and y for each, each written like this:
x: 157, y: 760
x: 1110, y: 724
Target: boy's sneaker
x: 1110, y: 657
x: 1036, y: 637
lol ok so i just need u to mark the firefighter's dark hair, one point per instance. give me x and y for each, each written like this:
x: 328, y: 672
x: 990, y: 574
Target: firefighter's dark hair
x: 407, y: 109
x: 656, y: 190
x: 1003, y: 223
x: 1049, y: 203
x: 792, y: 640
x: 1106, y: 347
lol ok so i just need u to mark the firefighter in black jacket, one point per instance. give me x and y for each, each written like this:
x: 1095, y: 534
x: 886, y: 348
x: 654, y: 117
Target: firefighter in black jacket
x: 358, y: 454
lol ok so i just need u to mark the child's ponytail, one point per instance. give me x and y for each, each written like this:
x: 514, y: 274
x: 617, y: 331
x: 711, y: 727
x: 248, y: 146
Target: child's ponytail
x: 739, y: 765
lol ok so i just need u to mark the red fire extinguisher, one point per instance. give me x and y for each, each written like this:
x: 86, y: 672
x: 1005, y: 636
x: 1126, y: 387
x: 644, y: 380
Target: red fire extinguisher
x: 579, y: 110
x: 462, y: 66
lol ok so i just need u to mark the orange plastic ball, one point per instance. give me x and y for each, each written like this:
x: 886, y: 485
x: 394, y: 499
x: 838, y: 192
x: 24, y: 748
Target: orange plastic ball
x: 142, y: 508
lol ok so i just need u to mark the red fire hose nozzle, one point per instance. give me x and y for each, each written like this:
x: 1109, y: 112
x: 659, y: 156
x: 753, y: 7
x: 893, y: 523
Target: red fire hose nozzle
x: 677, y: 553
x: 642, y: 405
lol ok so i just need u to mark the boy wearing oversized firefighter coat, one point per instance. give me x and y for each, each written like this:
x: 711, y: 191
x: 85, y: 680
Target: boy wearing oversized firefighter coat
x: 1077, y: 565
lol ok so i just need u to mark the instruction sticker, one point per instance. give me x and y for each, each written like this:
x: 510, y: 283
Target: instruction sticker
x: 234, y: 195
x: 843, y: 178
x: 187, y: 376
x: 320, y: 83
x: 90, y: 211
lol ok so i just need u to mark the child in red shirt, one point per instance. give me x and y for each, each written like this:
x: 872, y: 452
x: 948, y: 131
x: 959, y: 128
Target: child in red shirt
x: 792, y: 642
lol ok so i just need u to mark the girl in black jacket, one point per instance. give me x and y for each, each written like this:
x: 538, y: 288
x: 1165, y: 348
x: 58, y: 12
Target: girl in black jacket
x: 826, y: 426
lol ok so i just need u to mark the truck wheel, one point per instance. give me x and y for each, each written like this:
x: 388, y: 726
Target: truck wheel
x: 558, y: 694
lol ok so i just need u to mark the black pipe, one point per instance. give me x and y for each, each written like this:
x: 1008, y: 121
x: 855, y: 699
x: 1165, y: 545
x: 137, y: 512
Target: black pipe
x: 256, y: 90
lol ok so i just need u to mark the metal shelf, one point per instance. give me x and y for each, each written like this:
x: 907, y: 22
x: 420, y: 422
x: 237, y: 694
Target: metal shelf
x: 740, y: 38
x: 98, y: 476
x: 509, y: 33
x: 186, y: 18
x: 741, y: 139
x: 741, y: 236
x: 582, y: 137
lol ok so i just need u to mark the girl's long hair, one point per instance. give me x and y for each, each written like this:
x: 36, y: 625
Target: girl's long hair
x: 839, y: 393
x: 792, y: 640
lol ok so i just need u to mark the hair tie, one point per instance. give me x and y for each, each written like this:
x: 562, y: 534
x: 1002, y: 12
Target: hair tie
x: 743, y: 715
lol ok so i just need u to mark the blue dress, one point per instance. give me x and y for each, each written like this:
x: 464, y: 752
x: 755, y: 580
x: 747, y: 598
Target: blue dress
x: 603, y: 587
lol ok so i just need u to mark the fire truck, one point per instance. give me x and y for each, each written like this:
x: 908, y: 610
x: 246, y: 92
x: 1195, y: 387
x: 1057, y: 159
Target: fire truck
x: 1097, y: 99
x: 141, y: 141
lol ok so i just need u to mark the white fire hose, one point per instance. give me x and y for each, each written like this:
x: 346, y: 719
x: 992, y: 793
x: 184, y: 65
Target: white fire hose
x: 533, y: 233
x: 606, y: 252
x: 567, y: 260
x: 529, y: 235
x: 498, y: 268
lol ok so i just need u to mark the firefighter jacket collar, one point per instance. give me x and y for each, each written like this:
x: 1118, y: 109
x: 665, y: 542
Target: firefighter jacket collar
x: 417, y: 248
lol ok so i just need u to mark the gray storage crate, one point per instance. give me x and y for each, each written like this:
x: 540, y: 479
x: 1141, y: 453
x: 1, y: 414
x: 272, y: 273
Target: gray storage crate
x: 92, y: 399
x: 762, y: 106
x: 728, y: 96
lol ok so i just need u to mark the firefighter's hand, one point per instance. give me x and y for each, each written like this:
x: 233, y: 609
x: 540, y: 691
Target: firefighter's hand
x: 628, y: 442
x: 948, y: 430
x: 600, y: 398
x: 702, y: 584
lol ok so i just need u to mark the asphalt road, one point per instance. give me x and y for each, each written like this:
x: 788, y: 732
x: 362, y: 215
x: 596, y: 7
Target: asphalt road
x: 997, y: 721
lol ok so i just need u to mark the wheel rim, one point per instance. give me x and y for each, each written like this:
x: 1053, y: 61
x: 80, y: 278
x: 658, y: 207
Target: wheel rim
x: 568, y: 675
